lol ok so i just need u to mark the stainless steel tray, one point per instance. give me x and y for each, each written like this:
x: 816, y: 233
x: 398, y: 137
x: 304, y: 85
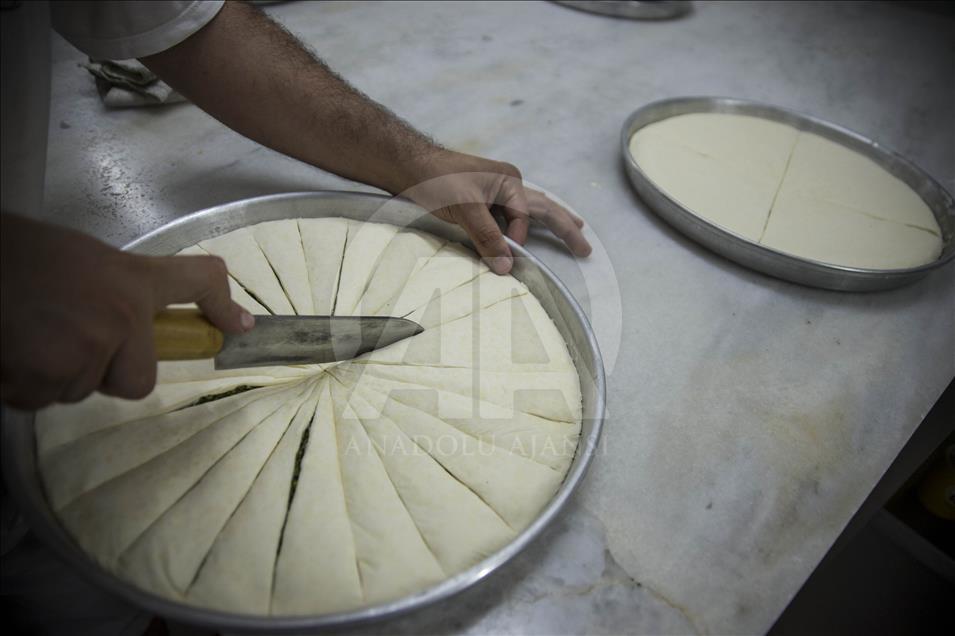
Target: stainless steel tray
x: 766, y: 259
x: 632, y: 9
x: 19, y: 449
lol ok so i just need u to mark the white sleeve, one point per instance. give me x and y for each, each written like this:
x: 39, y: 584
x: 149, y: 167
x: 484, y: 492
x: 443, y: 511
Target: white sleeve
x: 120, y: 30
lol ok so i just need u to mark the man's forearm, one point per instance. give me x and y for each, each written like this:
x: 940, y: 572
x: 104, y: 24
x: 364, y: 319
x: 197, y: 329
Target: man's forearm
x: 259, y: 80
x: 242, y: 65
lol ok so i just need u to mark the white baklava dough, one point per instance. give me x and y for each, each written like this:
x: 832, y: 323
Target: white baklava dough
x: 324, y: 488
x: 789, y: 190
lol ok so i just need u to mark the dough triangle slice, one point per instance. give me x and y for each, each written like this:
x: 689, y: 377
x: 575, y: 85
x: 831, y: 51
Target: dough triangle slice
x: 75, y: 468
x: 363, y: 248
x: 238, y: 571
x: 407, y: 252
x: 160, y: 559
x: 752, y: 147
x: 699, y: 182
x: 547, y: 442
x: 236, y: 290
x: 459, y: 528
x: 554, y: 395
x: 243, y: 298
x: 282, y: 246
x: 484, y: 291
x: 393, y: 559
x: 192, y: 250
x: 323, y: 241
x: 63, y: 423
x: 248, y: 265
x: 170, y: 372
x: 515, y: 487
x: 835, y: 177
x: 317, y: 569
x: 451, y: 266
x: 811, y: 228
x: 106, y: 520
x: 514, y: 335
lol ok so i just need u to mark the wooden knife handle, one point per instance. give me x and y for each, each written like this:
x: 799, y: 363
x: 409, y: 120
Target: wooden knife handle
x: 185, y: 334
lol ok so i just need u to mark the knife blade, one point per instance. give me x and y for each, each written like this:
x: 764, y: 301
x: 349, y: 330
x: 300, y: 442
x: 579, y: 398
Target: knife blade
x: 185, y: 334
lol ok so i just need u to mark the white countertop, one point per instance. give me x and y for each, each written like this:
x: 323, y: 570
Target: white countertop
x: 748, y: 418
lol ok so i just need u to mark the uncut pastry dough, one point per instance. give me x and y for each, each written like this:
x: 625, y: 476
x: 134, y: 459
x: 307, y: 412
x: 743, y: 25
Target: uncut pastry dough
x: 310, y: 489
x: 790, y: 190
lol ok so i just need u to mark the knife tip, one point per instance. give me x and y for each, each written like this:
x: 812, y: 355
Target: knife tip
x: 416, y: 328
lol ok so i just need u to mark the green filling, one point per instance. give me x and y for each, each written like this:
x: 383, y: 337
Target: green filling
x: 242, y: 388
x: 298, y: 463
x: 295, y: 472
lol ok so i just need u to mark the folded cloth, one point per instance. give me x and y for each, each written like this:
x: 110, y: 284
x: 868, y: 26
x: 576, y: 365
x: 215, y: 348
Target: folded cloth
x: 129, y: 84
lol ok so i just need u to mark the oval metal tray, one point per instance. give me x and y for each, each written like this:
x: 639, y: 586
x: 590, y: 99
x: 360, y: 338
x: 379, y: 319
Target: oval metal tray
x: 19, y: 448
x: 766, y: 259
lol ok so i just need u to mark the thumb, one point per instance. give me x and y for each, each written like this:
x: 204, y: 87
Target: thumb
x: 203, y: 280
x: 480, y: 225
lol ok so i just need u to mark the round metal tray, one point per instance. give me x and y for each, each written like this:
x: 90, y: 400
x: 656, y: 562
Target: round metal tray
x: 631, y: 9
x: 19, y: 448
x: 766, y: 259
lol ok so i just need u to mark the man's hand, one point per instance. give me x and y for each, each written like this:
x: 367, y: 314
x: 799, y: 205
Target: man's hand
x: 470, y: 191
x: 76, y: 315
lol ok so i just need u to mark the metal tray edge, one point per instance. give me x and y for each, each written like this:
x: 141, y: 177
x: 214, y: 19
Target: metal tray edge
x: 19, y: 461
x: 766, y: 259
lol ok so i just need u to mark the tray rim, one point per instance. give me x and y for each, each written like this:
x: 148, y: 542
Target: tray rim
x: 18, y: 425
x: 766, y: 259
x: 660, y: 10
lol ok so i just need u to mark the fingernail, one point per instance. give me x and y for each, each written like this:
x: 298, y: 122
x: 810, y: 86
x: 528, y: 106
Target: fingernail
x: 248, y: 320
x: 501, y: 264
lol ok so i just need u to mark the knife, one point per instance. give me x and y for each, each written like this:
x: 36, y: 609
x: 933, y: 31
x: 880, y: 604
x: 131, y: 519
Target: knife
x: 185, y: 334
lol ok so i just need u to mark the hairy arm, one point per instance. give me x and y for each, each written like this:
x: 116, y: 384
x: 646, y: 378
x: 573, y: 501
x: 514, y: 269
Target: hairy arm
x: 256, y: 78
